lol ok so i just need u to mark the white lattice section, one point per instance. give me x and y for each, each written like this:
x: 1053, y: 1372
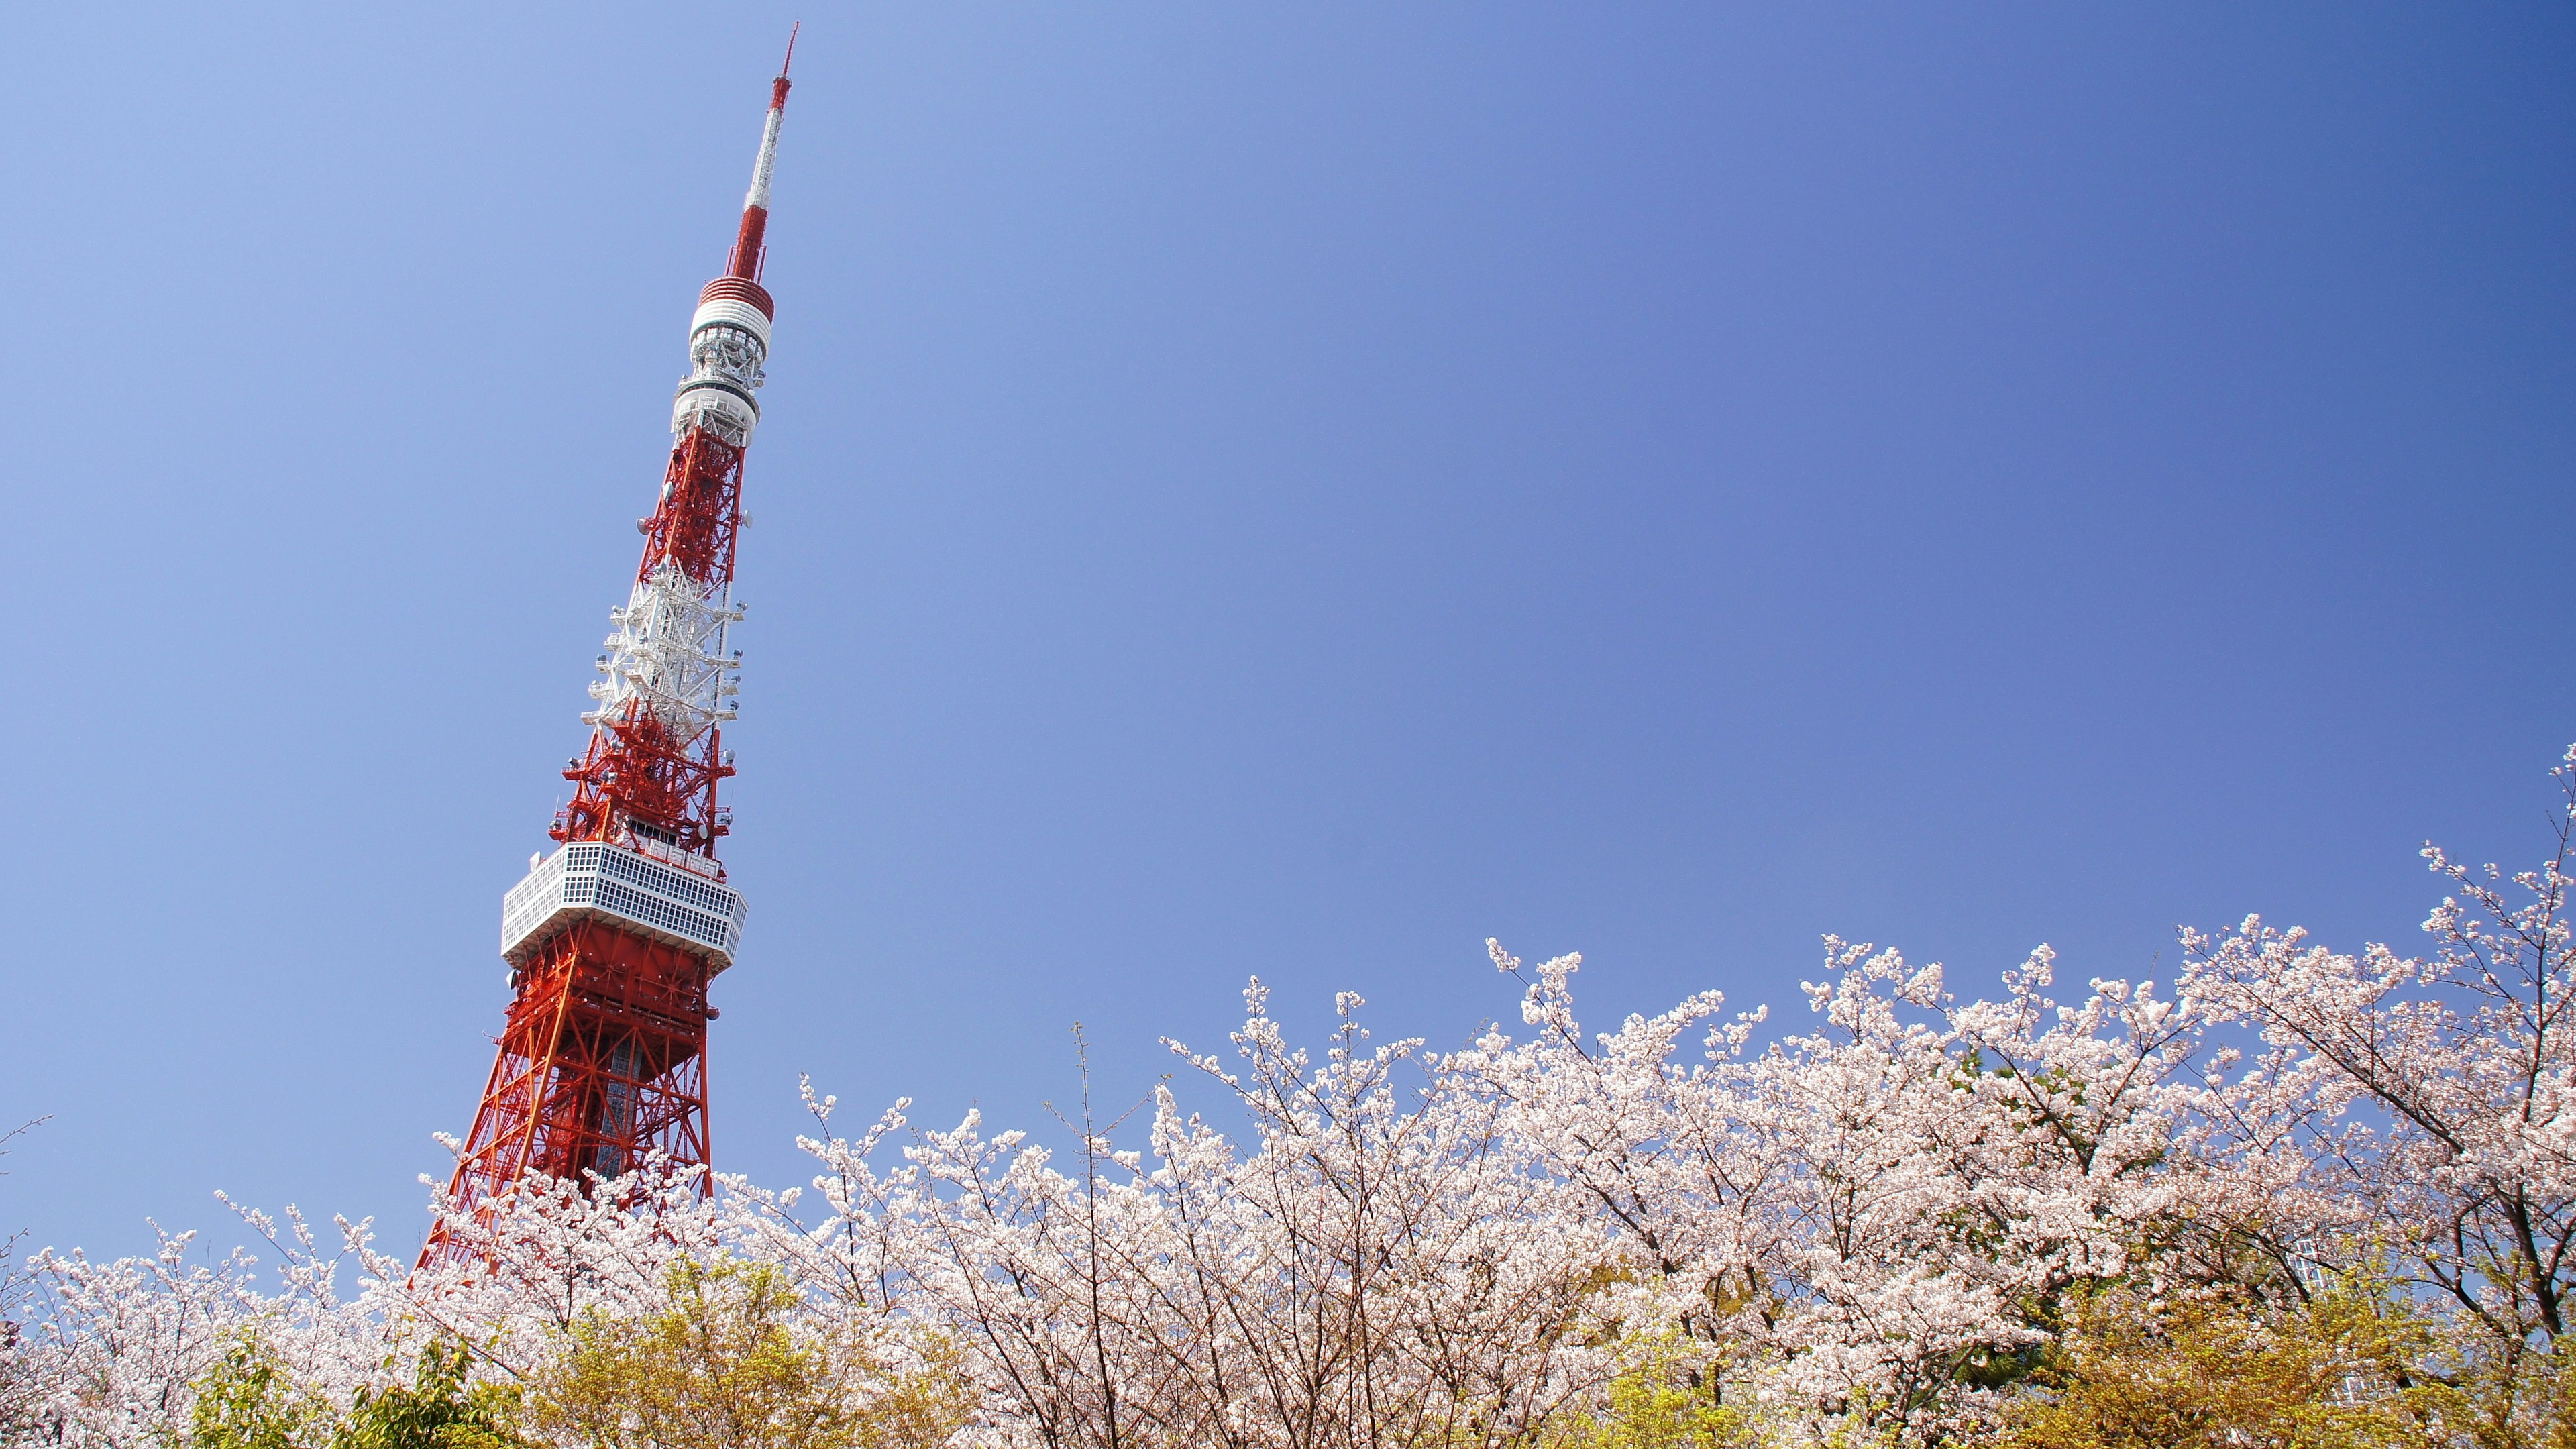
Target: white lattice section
x: 587, y: 880
x: 669, y: 651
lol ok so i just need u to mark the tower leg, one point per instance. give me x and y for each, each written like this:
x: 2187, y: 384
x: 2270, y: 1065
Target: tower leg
x: 601, y: 1066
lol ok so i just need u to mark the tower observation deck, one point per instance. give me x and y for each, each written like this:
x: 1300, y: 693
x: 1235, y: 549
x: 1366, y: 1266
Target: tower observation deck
x: 613, y: 938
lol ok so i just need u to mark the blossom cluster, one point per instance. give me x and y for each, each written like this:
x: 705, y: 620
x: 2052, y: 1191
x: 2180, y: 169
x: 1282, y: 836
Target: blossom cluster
x: 1873, y: 1226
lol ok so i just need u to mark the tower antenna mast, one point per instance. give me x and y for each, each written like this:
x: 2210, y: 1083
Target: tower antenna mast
x: 613, y: 939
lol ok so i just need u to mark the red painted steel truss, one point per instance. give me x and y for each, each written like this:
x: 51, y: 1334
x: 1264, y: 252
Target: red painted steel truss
x: 603, y: 1063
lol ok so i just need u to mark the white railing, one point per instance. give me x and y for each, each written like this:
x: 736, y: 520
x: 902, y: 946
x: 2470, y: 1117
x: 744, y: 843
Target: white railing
x: 589, y: 880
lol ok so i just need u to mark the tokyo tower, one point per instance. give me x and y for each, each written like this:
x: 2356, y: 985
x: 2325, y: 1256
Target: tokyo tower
x: 613, y: 939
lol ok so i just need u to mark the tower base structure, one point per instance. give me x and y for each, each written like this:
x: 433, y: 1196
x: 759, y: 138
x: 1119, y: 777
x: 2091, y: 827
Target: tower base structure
x: 602, y: 1066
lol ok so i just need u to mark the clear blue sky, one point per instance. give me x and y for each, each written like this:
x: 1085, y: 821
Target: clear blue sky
x: 1293, y: 490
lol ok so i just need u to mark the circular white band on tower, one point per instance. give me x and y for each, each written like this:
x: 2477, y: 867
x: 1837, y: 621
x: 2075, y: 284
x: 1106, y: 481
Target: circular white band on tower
x: 701, y: 397
x: 726, y: 312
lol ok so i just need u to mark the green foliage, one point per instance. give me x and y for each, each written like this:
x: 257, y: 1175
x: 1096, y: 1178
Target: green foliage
x: 439, y: 1410
x: 1656, y: 1402
x: 2345, y: 1370
x: 724, y: 1367
x: 2522, y: 1396
x: 246, y: 1402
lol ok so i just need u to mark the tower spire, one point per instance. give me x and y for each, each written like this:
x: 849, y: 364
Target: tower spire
x: 614, y: 939
x: 747, y: 247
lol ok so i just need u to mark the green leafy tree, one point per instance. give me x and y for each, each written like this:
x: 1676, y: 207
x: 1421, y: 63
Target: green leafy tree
x: 726, y: 1366
x: 2344, y: 1370
x: 246, y: 1402
x: 1655, y: 1402
x: 438, y: 1410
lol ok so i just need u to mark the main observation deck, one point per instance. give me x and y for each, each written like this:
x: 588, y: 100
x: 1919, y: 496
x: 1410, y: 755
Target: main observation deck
x: 591, y: 880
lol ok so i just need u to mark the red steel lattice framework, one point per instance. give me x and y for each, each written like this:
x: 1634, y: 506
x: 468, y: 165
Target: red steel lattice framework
x: 613, y: 940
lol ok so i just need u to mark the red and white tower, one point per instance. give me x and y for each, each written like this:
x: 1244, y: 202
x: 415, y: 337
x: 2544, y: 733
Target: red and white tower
x: 613, y: 939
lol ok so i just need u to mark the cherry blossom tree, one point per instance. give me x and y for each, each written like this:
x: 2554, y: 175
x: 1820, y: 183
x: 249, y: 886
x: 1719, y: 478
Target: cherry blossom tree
x: 1874, y: 1228
x: 1377, y: 1264
x: 2421, y: 1105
